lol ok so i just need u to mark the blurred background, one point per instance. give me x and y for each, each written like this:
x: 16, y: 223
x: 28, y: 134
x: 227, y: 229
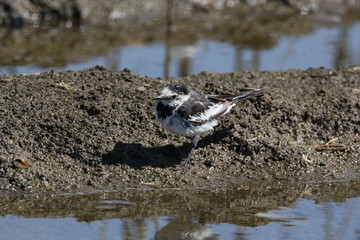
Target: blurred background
x: 162, y: 38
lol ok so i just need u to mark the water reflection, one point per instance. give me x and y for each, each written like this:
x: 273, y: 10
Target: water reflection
x: 178, y: 228
x: 173, y: 47
x: 248, y: 211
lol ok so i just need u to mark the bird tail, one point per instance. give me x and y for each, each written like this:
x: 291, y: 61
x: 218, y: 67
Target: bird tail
x: 248, y: 94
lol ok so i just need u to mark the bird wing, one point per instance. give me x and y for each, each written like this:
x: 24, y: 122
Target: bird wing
x: 213, y: 106
x: 198, y: 112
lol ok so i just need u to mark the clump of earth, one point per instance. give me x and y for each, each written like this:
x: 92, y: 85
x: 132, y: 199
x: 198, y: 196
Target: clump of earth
x: 95, y: 130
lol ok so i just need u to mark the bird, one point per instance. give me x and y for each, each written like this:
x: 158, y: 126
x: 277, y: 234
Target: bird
x: 185, y: 111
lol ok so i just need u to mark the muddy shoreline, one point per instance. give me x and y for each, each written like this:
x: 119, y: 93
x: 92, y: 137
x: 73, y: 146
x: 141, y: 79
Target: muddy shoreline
x: 95, y: 130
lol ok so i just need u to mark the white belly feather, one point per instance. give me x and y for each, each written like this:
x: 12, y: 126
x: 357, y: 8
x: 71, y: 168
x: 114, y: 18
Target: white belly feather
x: 179, y: 126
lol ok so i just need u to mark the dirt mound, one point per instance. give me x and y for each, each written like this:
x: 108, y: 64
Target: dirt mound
x: 95, y: 129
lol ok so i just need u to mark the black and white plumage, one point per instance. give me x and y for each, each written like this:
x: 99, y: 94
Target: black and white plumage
x: 186, y: 112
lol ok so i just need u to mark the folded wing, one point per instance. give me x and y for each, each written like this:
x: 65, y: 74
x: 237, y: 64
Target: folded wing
x: 201, y: 112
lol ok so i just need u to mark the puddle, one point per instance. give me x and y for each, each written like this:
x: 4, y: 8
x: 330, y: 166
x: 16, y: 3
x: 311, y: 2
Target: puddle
x: 248, y: 211
x: 328, y: 47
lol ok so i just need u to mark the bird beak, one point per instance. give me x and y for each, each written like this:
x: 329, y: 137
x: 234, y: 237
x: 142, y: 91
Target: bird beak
x: 158, y: 98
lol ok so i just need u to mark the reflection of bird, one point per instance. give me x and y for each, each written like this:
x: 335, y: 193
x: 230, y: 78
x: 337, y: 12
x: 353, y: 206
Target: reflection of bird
x: 179, y: 229
x: 186, y: 112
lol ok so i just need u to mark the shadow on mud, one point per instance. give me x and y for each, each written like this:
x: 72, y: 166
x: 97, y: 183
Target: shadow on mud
x: 137, y: 156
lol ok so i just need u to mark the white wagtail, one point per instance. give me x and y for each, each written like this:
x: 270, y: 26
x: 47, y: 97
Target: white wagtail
x: 184, y: 111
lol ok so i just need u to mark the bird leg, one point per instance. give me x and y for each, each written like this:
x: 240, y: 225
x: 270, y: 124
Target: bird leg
x: 188, y: 158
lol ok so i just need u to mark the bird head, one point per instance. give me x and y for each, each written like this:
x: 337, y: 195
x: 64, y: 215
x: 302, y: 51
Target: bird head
x: 174, y: 94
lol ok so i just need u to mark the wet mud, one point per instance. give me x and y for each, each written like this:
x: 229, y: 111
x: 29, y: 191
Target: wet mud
x: 95, y: 130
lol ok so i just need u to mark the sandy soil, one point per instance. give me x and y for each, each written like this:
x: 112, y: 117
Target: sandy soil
x: 95, y: 130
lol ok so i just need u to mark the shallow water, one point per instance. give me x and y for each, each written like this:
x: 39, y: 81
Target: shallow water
x: 248, y: 211
x: 328, y: 47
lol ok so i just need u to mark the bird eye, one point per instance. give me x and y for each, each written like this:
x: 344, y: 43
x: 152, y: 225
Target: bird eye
x: 173, y: 96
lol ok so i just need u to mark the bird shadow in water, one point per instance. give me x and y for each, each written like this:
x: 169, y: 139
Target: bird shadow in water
x: 137, y: 156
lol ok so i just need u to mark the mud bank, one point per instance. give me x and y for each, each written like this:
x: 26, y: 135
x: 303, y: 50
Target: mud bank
x: 95, y: 130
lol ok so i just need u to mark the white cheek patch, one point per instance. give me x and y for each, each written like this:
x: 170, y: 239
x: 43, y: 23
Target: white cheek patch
x: 167, y: 92
x: 180, y: 100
